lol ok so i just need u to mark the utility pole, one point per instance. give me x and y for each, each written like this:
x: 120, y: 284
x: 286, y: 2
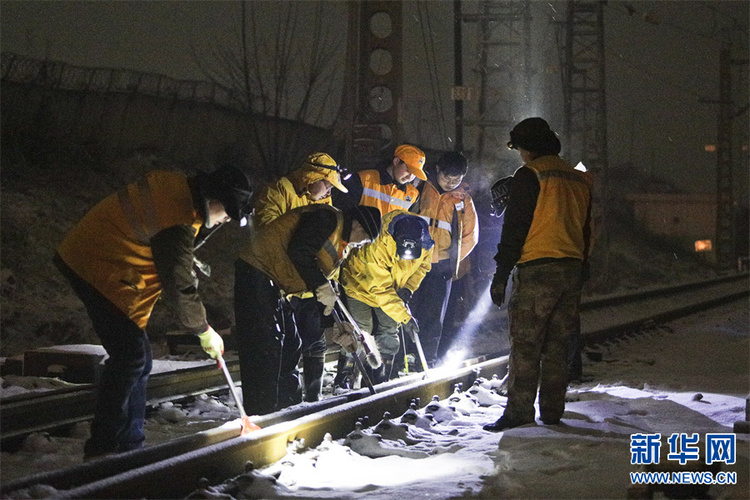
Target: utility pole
x: 584, y: 93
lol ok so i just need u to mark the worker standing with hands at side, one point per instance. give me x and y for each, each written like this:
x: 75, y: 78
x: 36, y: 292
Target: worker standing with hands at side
x: 298, y: 252
x: 132, y: 248
x: 449, y: 210
x: 372, y: 277
x: 545, y: 241
x: 310, y: 184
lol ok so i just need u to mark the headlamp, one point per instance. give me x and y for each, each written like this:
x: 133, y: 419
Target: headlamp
x: 343, y: 171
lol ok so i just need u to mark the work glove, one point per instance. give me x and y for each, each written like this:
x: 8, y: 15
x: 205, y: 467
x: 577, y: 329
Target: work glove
x: 341, y: 334
x: 404, y: 294
x: 326, y: 296
x: 212, y: 343
x: 411, y: 328
x: 497, y: 290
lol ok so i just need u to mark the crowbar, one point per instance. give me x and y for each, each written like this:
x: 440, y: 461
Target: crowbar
x: 420, y: 351
x: 247, y: 425
x: 358, y: 361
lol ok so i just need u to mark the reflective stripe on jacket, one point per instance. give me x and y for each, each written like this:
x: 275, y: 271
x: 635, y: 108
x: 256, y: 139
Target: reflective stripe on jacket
x: 110, y: 247
x: 287, y: 193
x: 268, y: 251
x: 385, y: 197
x: 557, y: 229
x: 453, y: 222
x: 373, y: 272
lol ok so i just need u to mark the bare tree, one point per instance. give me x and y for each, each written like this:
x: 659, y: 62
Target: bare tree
x: 284, y: 67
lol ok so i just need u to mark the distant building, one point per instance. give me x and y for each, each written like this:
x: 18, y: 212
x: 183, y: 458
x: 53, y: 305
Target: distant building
x: 689, y: 219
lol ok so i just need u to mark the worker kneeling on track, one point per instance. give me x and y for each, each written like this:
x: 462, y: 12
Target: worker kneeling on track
x: 375, y: 277
x: 296, y: 253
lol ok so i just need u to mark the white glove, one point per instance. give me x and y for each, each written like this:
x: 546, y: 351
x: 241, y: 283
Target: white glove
x: 326, y: 296
x: 341, y: 334
x: 212, y: 343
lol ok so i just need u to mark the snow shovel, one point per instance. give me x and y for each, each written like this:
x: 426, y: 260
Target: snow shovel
x: 358, y: 361
x: 247, y: 425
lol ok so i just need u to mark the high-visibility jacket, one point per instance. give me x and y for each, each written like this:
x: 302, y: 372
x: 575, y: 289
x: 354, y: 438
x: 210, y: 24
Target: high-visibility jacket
x: 561, y: 213
x: 287, y: 193
x: 268, y: 250
x: 453, y: 223
x: 385, y: 197
x: 373, y: 272
x: 110, y: 248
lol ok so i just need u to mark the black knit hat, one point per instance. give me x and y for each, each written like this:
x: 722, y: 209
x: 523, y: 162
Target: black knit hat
x: 535, y: 135
x: 231, y: 187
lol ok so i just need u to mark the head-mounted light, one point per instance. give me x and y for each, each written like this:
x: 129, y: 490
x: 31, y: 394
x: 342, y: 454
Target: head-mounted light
x: 344, y: 172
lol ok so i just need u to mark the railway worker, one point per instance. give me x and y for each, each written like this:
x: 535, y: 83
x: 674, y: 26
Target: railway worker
x: 131, y: 249
x: 387, y: 188
x: 296, y: 253
x: 448, y: 209
x: 545, y: 241
x: 310, y: 184
x: 372, y: 277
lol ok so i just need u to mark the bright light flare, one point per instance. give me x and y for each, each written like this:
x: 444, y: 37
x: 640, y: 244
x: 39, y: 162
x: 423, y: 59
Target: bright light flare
x: 469, y: 328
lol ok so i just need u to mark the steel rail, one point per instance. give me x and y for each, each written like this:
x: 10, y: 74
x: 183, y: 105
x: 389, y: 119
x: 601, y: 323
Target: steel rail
x: 174, y: 465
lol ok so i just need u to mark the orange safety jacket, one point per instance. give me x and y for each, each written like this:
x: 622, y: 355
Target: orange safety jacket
x: 385, y: 197
x: 110, y: 248
x: 453, y: 223
x: 267, y: 251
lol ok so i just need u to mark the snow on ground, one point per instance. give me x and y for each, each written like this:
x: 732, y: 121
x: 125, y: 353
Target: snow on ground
x: 690, y: 376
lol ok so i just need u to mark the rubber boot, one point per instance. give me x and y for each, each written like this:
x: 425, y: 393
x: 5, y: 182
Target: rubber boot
x: 383, y: 372
x: 344, y: 372
x: 312, y: 374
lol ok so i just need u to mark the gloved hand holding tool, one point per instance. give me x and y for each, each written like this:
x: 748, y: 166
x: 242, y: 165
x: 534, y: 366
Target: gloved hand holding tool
x: 342, y: 334
x: 326, y: 296
x: 247, y: 425
x: 212, y: 343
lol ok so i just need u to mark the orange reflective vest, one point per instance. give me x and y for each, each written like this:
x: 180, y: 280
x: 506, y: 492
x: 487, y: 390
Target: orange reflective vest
x: 385, y: 197
x: 267, y: 251
x: 109, y: 248
x: 453, y: 222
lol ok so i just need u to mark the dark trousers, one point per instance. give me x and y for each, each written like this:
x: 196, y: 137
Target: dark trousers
x: 121, y: 394
x: 429, y: 304
x: 268, y: 344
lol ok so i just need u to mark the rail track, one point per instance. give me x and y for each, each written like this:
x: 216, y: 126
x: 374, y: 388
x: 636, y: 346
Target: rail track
x: 173, y: 469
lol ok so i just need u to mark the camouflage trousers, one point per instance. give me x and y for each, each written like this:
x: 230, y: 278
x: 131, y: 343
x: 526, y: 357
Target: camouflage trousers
x: 543, y: 309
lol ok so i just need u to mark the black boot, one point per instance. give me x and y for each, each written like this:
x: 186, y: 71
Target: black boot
x: 345, y: 372
x: 383, y: 372
x: 312, y: 374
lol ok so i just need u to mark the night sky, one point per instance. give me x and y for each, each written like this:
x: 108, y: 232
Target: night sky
x: 662, y: 64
